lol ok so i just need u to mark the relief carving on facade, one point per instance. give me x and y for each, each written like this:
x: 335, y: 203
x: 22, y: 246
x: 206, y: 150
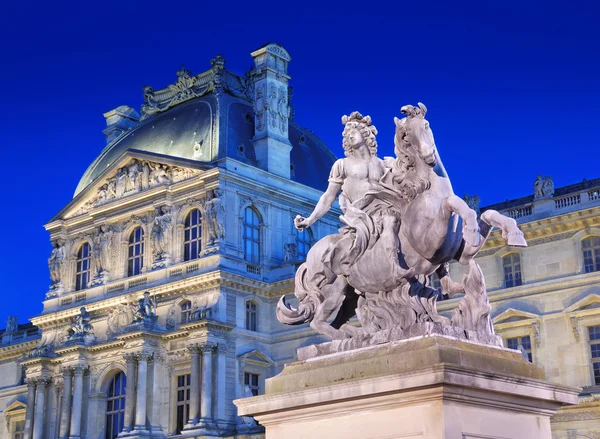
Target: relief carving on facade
x: 101, y: 254
x: 56, y: 263
x: 543, y: 187
x: 81, y: 328
x: 214, y: 214
x: 162, y: 235
x: 290, y: 252
x: 137, y: 176
x: 119, y: 318
x: 260, y: 106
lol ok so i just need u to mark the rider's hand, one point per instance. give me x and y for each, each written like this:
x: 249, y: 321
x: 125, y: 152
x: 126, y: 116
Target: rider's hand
x: 301, y: 223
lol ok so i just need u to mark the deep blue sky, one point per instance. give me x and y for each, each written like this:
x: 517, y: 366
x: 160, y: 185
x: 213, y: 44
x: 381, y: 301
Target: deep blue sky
x: 512, y: 90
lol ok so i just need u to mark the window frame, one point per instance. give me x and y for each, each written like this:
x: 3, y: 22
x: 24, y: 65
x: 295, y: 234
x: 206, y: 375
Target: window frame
x: 251, y: 316
x: 594, y: 250
x: 134, y: 245
x: 516, y: 277
x: 119, y: 414
x: 191, y: 243
x: 185, y: 403
x: 528, y: 347
x: 83, y: 276
x: 185, y: 314
x: 250, y: 376
x: 254, y: 238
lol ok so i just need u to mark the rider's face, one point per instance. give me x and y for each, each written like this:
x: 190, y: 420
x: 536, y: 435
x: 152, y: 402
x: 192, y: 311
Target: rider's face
x: 355, y: 138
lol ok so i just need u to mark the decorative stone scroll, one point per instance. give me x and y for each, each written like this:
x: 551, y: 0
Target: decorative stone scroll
x: 137, y: 176
x: 397, y: 216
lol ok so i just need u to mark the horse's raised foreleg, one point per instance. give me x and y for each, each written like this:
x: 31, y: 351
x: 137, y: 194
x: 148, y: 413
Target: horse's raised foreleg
x: 449, y: 287
x: 509, y: 228
x: 471, y: 232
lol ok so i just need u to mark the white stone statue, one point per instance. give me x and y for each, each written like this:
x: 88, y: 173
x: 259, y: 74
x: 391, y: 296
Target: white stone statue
x: 214, y: 215
x: 12, y: 324
x: 397, y: 215
x: 134, y: 174
x: 161, y: 233
x: 121, y: 182
x: 56, y: 261
x: 101, y: 250
x: 543, y: 187
x: 80, y: 327
x: 146, y: 309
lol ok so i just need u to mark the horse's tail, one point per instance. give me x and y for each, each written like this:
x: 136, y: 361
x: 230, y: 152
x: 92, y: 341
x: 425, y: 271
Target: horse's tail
x: 309, y: 298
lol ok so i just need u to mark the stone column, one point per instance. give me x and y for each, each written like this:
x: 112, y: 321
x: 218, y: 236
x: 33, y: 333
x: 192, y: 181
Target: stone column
x: 206, y: 396
x: 31, y: 385
x: 77, y: 402
x: 157, y: 395
x: 40, y: 399
x: 221, y: 373
x: 65, y: 409
x: 131, y: 360
x: 142, y: 383
x: 194, y: 385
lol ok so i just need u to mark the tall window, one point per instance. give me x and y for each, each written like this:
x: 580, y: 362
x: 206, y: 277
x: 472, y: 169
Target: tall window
x: 186, y: 311
x: 512, y: 270
x: 135, y: 261
x: 594, y: 332
x: 251, y: 316
x: 251, y: 380
x: 115, y: 406
x: 192, y: 240
x: 19, y: 430
x: 303, y: 241
x: 251, y: 236
x: 183, y: 401
x: 591, y: 253
x: 516, y: 342
x: 82, y: 271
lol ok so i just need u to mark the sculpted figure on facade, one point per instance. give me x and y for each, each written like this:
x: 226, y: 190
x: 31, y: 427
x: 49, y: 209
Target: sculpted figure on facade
x: 56, y: 262
x: 119, y: 318
x: 12, y: 324
x: 146, y: 309
x: 543, y: 187
x: 290, y: 252
x: 81, y: 327
x: 161, y: 233
x: 134, y: 173
x: 101, y: 250
x: 396, y: 216
x: 214, y: 213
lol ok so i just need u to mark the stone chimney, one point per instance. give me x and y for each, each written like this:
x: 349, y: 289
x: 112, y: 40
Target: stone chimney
x: 271, y: 109
x: 118, y: 121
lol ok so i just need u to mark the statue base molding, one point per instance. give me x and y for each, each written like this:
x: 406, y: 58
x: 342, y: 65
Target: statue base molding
x: 429, y: 387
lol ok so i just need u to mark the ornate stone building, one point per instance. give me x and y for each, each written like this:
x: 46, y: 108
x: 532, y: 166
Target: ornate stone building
x: 192, y: 202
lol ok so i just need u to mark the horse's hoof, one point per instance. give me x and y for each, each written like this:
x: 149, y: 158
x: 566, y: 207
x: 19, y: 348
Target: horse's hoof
x: 517, y: 239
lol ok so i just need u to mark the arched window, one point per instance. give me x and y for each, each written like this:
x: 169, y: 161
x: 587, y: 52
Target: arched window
x: 192, y: 241
x: 251, y: 315
x: 135, y: 260
x: 115, y: 406
x: 82, y: 271
x: 303, y: 243
x: 186, y: 311
x: 512, y: 270
x: 591, y: 254
x: 251, y: 236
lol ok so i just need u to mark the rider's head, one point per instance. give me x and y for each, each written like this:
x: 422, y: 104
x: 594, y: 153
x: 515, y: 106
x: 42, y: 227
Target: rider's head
x: 358, y: 130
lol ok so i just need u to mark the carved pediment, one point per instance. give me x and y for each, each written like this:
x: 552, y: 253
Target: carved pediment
x: 512, y: 315
x: 16, y: 404
x: 256, y: 357
x: 131, y: 176
x: 589, y: 303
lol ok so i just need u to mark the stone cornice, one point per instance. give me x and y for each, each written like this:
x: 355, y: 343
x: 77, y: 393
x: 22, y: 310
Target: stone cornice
x: 12, y: 352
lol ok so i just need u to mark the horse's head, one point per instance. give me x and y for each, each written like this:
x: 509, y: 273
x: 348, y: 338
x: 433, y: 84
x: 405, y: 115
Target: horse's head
x: 413, y: 132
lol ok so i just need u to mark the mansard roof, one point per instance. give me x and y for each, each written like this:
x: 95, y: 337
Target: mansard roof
x: 206, y: 118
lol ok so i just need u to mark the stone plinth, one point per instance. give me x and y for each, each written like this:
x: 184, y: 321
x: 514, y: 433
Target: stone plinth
x: 430, y: 387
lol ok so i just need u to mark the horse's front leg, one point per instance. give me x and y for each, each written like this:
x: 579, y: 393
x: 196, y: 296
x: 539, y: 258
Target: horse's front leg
x: 471, y: 233
x: 509, y: 228
x: 449, y: 287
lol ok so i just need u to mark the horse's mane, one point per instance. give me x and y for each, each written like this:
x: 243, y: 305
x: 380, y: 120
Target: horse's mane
x: 412, y: 184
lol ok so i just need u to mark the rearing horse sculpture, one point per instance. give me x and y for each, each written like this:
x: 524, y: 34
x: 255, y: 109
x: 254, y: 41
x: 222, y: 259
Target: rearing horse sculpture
x: 411, y: 208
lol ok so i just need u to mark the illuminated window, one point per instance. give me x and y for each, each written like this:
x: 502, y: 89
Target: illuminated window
x: 512, y: 270
x: 82, y: 270
x: 251, y: 380
x: 192, y: 235
x: 19, y: 430
x: 183, y: 400
x: 591, y: 254
x: 135, y: 261
x: 251, y: 314
x: 186, y: 311
x: 115, y: 406
x: 251, y: 236
x: 594, y: 332
x: 516, y: 342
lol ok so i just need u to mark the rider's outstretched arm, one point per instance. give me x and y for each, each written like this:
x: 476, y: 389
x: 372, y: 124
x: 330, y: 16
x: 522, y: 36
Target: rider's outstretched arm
x: 324, y: 204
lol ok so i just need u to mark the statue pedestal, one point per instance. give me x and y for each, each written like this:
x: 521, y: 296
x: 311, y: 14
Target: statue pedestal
x: 431, y: 387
